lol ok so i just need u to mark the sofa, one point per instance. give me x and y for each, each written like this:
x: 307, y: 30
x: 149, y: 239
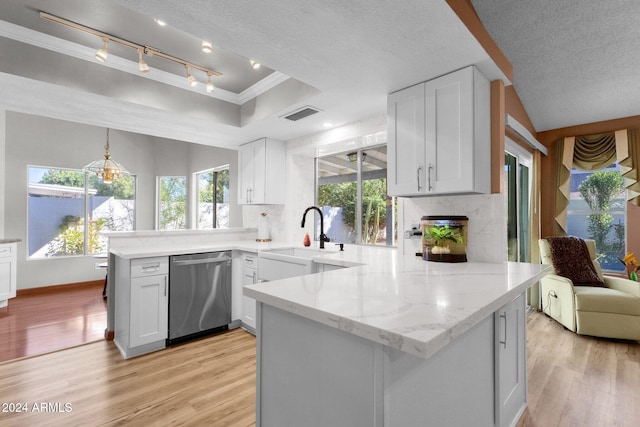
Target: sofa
x: 611, y: 311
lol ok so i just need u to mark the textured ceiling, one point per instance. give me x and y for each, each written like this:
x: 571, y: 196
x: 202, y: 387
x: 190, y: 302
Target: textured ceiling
x: 574, y: 61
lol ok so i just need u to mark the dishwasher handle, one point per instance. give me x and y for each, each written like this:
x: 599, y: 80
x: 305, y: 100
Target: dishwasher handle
x: 201, y: 261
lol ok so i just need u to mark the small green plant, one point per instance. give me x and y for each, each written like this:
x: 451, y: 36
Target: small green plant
x: 442, y: 233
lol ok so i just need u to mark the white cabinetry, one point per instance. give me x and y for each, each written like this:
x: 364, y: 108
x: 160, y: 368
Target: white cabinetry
x: 438, y: 137
x: 261, y: 174
x: 249, y: 263
x: 510, y: 359
x: 8, y: 262
x: 142, y: 305
x: 469, y: 382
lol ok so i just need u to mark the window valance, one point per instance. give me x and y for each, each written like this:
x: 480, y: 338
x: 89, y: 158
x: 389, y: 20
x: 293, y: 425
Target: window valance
x: 593, y: 152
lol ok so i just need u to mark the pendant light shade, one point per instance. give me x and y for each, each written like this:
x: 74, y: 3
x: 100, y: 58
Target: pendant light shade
x: 106, y: 169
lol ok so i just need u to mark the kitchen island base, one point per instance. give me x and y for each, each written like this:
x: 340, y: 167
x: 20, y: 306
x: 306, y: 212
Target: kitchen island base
x: 313, y: 374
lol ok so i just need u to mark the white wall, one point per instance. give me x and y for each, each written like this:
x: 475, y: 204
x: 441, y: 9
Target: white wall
x: 39, y: 141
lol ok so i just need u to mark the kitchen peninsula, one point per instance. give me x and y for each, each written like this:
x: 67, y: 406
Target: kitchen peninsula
x: 395, y: 341
x: 376, y: 338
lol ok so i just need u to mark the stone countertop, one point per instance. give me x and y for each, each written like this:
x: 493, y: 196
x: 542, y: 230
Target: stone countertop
x: 400, y: 301
x: 9, y: 240
x: 397, y: 300
x: 156, y: 249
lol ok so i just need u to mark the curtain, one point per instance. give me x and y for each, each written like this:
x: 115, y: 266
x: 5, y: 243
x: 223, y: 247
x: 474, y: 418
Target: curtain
x: 593, y: 152
x: 629, y: 159
x: 533, y: 293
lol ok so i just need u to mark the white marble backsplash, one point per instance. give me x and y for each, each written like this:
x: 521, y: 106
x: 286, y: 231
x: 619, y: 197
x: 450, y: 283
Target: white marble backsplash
x: 487, y: 232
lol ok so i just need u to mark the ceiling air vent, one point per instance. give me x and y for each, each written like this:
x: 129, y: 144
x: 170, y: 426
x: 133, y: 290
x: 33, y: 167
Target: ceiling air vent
x: 301, y: 113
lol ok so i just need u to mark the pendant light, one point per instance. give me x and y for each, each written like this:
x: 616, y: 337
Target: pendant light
x: 106, y: 169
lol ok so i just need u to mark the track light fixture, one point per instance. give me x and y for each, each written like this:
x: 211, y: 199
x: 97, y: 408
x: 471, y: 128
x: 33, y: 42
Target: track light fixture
x: 255, y: 65
x: 142, y: 66
x: 207, y: 47
x: 102, y: 54
x: 209, y: 84
x: 192, y: 80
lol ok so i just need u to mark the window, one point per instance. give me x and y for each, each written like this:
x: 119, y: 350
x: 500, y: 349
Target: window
x: 597, y: 211
x: 67, y: 210
x: 352, y: 193
x: 517, y: 171
x: 212, y: 188
x: 172, y: 192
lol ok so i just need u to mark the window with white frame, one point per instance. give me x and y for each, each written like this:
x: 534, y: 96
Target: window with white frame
x: 212, y: 195
x: 68, y: 209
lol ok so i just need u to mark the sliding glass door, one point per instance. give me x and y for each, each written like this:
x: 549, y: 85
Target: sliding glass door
x: 517, y: 169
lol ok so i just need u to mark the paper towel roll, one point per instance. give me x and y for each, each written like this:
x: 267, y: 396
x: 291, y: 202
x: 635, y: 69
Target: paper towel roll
x: 263, y: 228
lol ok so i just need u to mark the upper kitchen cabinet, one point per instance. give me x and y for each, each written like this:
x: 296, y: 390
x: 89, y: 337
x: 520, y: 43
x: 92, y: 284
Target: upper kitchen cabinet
x: 261, y: 175
x: 439, y: 139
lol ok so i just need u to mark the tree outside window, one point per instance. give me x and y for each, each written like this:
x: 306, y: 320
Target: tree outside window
x: 597, y: 211
x: 172, y: 203
x: 213, y: 198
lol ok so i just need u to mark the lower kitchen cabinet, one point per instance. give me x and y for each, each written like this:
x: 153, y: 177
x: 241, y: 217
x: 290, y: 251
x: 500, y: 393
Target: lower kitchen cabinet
x: 142, y: 305
x: 479, y: 379
x: 249, y: 262
x: 7, y: 272
x: 510, y: 359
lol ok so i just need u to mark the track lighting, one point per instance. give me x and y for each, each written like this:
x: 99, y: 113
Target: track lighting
x: 142, y: 66
x: 192, y: 80
x: 207, y: 47
x: 255, y: 65
x: 103, y: 53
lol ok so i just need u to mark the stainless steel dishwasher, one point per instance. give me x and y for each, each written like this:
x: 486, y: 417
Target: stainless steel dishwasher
x: 199, y: 295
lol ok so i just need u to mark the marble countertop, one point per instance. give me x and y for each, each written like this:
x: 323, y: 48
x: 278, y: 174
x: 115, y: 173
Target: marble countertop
x: 400, y: 301
x: 161, y: 249
x: 396, y: 300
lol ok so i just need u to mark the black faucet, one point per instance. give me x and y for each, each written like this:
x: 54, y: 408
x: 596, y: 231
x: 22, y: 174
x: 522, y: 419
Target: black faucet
x: 323, y: 237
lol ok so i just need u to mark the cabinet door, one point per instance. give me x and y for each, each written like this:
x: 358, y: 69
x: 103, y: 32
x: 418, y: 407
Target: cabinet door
x: 249, y: 277
x: 458, y: 134
x: 149, y: 310
x: 511, y: 370
x: 449, y: 132
x: 245, y: 173
x: 7, y: 278
x: 406, y: 142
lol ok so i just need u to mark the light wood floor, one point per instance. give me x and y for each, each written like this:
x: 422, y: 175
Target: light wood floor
x: 206, y: 382
x: 573, y: 381
x: 580, y: 381
x: 47, y: 319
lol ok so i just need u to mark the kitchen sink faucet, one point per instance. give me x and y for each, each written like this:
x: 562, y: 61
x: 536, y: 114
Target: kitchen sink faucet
x: 323, y: 237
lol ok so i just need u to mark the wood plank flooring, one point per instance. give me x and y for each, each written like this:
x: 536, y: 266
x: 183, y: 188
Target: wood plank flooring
x: 206, y: 382
x: 47, y: 319
x: 582, y: 381
x: 573, y: 381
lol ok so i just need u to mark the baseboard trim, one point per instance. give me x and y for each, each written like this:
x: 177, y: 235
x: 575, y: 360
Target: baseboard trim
x: 59, y: 288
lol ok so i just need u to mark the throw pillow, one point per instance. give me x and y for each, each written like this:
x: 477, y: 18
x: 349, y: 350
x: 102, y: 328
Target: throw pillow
x: 570, y: 258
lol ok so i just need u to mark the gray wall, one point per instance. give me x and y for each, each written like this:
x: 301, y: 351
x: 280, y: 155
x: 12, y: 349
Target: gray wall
x: 39, y: 141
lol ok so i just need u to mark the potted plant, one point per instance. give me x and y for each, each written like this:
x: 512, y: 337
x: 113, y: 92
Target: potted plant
x: 441, y: 235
